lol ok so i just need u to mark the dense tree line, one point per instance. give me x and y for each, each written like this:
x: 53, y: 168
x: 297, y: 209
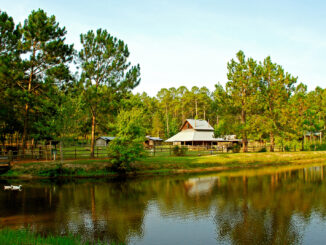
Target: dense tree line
x: 49, y: 90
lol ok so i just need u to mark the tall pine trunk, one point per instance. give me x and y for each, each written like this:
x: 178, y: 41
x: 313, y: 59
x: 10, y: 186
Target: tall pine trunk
x: 167, y: 121
x: 29, y: 90
x: 244, y: 132
x: 24, y: 139
x: 272, y: 141
x: 93, y: 134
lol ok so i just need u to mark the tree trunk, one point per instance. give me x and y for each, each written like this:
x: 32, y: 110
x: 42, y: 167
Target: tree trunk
x: 272, y: 140
x: 93, y: 134
x: 25, y: 127
x: 167, y: 121
x: 182, y: 112
x: 29, y: 89
x: 196, y: 109
x: 244, y: 133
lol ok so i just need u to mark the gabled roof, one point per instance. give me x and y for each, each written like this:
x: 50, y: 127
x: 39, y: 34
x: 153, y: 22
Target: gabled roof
x: 199, y: 124
x: 153, y: 138
x: 192, y: 135
x: 106, y: 138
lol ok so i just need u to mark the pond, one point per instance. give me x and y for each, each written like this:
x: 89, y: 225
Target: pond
x: 284, y: 205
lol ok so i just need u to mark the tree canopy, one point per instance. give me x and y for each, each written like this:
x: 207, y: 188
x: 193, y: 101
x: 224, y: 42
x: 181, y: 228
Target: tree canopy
x: 52, y: 91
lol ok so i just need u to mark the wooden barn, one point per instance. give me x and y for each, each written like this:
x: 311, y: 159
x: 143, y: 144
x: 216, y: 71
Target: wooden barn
x: 150, y: 141
x: 199, y: 133
x: 103, y: 140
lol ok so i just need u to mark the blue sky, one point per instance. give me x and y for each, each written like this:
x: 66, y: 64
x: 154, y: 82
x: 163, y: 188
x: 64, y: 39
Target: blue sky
x: 190, y: 42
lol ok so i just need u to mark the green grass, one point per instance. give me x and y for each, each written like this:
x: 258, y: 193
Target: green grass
x: 164, y: 164
x: 26, y: 237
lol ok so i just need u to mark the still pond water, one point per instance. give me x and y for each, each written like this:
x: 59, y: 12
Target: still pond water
x: 268, y: 206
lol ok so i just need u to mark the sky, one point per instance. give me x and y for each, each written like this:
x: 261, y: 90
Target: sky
x: 190, y: 42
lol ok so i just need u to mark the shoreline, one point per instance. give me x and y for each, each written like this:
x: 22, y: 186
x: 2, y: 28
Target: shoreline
x: 162, y: 166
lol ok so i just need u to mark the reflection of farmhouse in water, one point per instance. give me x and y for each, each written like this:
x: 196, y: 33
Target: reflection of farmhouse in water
x: 201, y: 185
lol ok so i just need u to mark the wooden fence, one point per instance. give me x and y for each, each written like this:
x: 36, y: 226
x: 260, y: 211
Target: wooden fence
x: 58, y: 152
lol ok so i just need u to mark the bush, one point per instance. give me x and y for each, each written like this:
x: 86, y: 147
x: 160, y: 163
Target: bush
x: 125, y: 151
x: 236, y: 148
x: 179, y: 151
x: 287, y: 148
x: 59, y: 170
x: 127, y: 147
x: 263, y: 149
x: 317, y: 147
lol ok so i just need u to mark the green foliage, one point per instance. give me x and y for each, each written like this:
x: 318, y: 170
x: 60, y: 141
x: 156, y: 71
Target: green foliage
x: 26, y: 237
x: 106, y: 74
x: 242, y: 91
x: 41, y: 99
x: 316, y: 147
x: 10, y: 72
x: 263, y: 149
x: 179, y: 151
x: 127, y: 147
x: 236, y: 148
x: 59, y: 170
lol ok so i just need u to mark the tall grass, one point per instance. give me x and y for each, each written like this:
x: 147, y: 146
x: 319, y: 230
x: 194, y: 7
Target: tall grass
x: 26, y: 237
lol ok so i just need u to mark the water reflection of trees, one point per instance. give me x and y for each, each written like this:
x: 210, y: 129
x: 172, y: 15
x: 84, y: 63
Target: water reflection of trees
x: 261, y: 210
x: 248, y: 210
x: 18, y: 209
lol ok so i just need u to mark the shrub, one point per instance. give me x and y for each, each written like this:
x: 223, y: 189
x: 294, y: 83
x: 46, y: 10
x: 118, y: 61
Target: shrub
x: 287, y: 148
x: 175, y: 150
x: 179, y: 151
x: 59, y: 170
x: 127, y: 147
x: 263, y: 149
x: 236, y: 148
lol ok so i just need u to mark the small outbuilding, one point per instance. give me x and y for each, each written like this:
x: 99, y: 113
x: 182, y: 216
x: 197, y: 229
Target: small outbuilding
x: 152, y: 141
x: 103, y: 140
x: 313, y: 136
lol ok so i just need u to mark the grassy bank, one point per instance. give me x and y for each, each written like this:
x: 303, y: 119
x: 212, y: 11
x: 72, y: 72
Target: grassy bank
x: 22, y: 237
x: 165, y: 165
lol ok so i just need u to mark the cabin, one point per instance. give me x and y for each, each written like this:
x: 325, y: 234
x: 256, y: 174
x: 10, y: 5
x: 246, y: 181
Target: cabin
x: 151, y: 142
x: 195, y: 132
x: 312, y: 137
x: 103, y: 140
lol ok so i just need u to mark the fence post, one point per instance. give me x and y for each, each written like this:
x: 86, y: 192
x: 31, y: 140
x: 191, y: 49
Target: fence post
x: 50, y: 149
x: 154, y: 150
x: 10, y: 157
x: 97, y: 151
x: 46, y: 152
x: 75, y: 153
x: 170, y: 150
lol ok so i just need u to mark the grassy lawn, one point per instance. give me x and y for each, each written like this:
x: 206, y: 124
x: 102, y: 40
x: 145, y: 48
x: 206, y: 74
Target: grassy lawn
x: 230, y: 160
x: 165, y: 164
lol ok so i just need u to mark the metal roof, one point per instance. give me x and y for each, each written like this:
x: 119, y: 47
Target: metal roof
x: 107, y: 138
x: 200, y: 124
x: 192, y: 135
x: 197, y: 135
x: 154, y: 138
